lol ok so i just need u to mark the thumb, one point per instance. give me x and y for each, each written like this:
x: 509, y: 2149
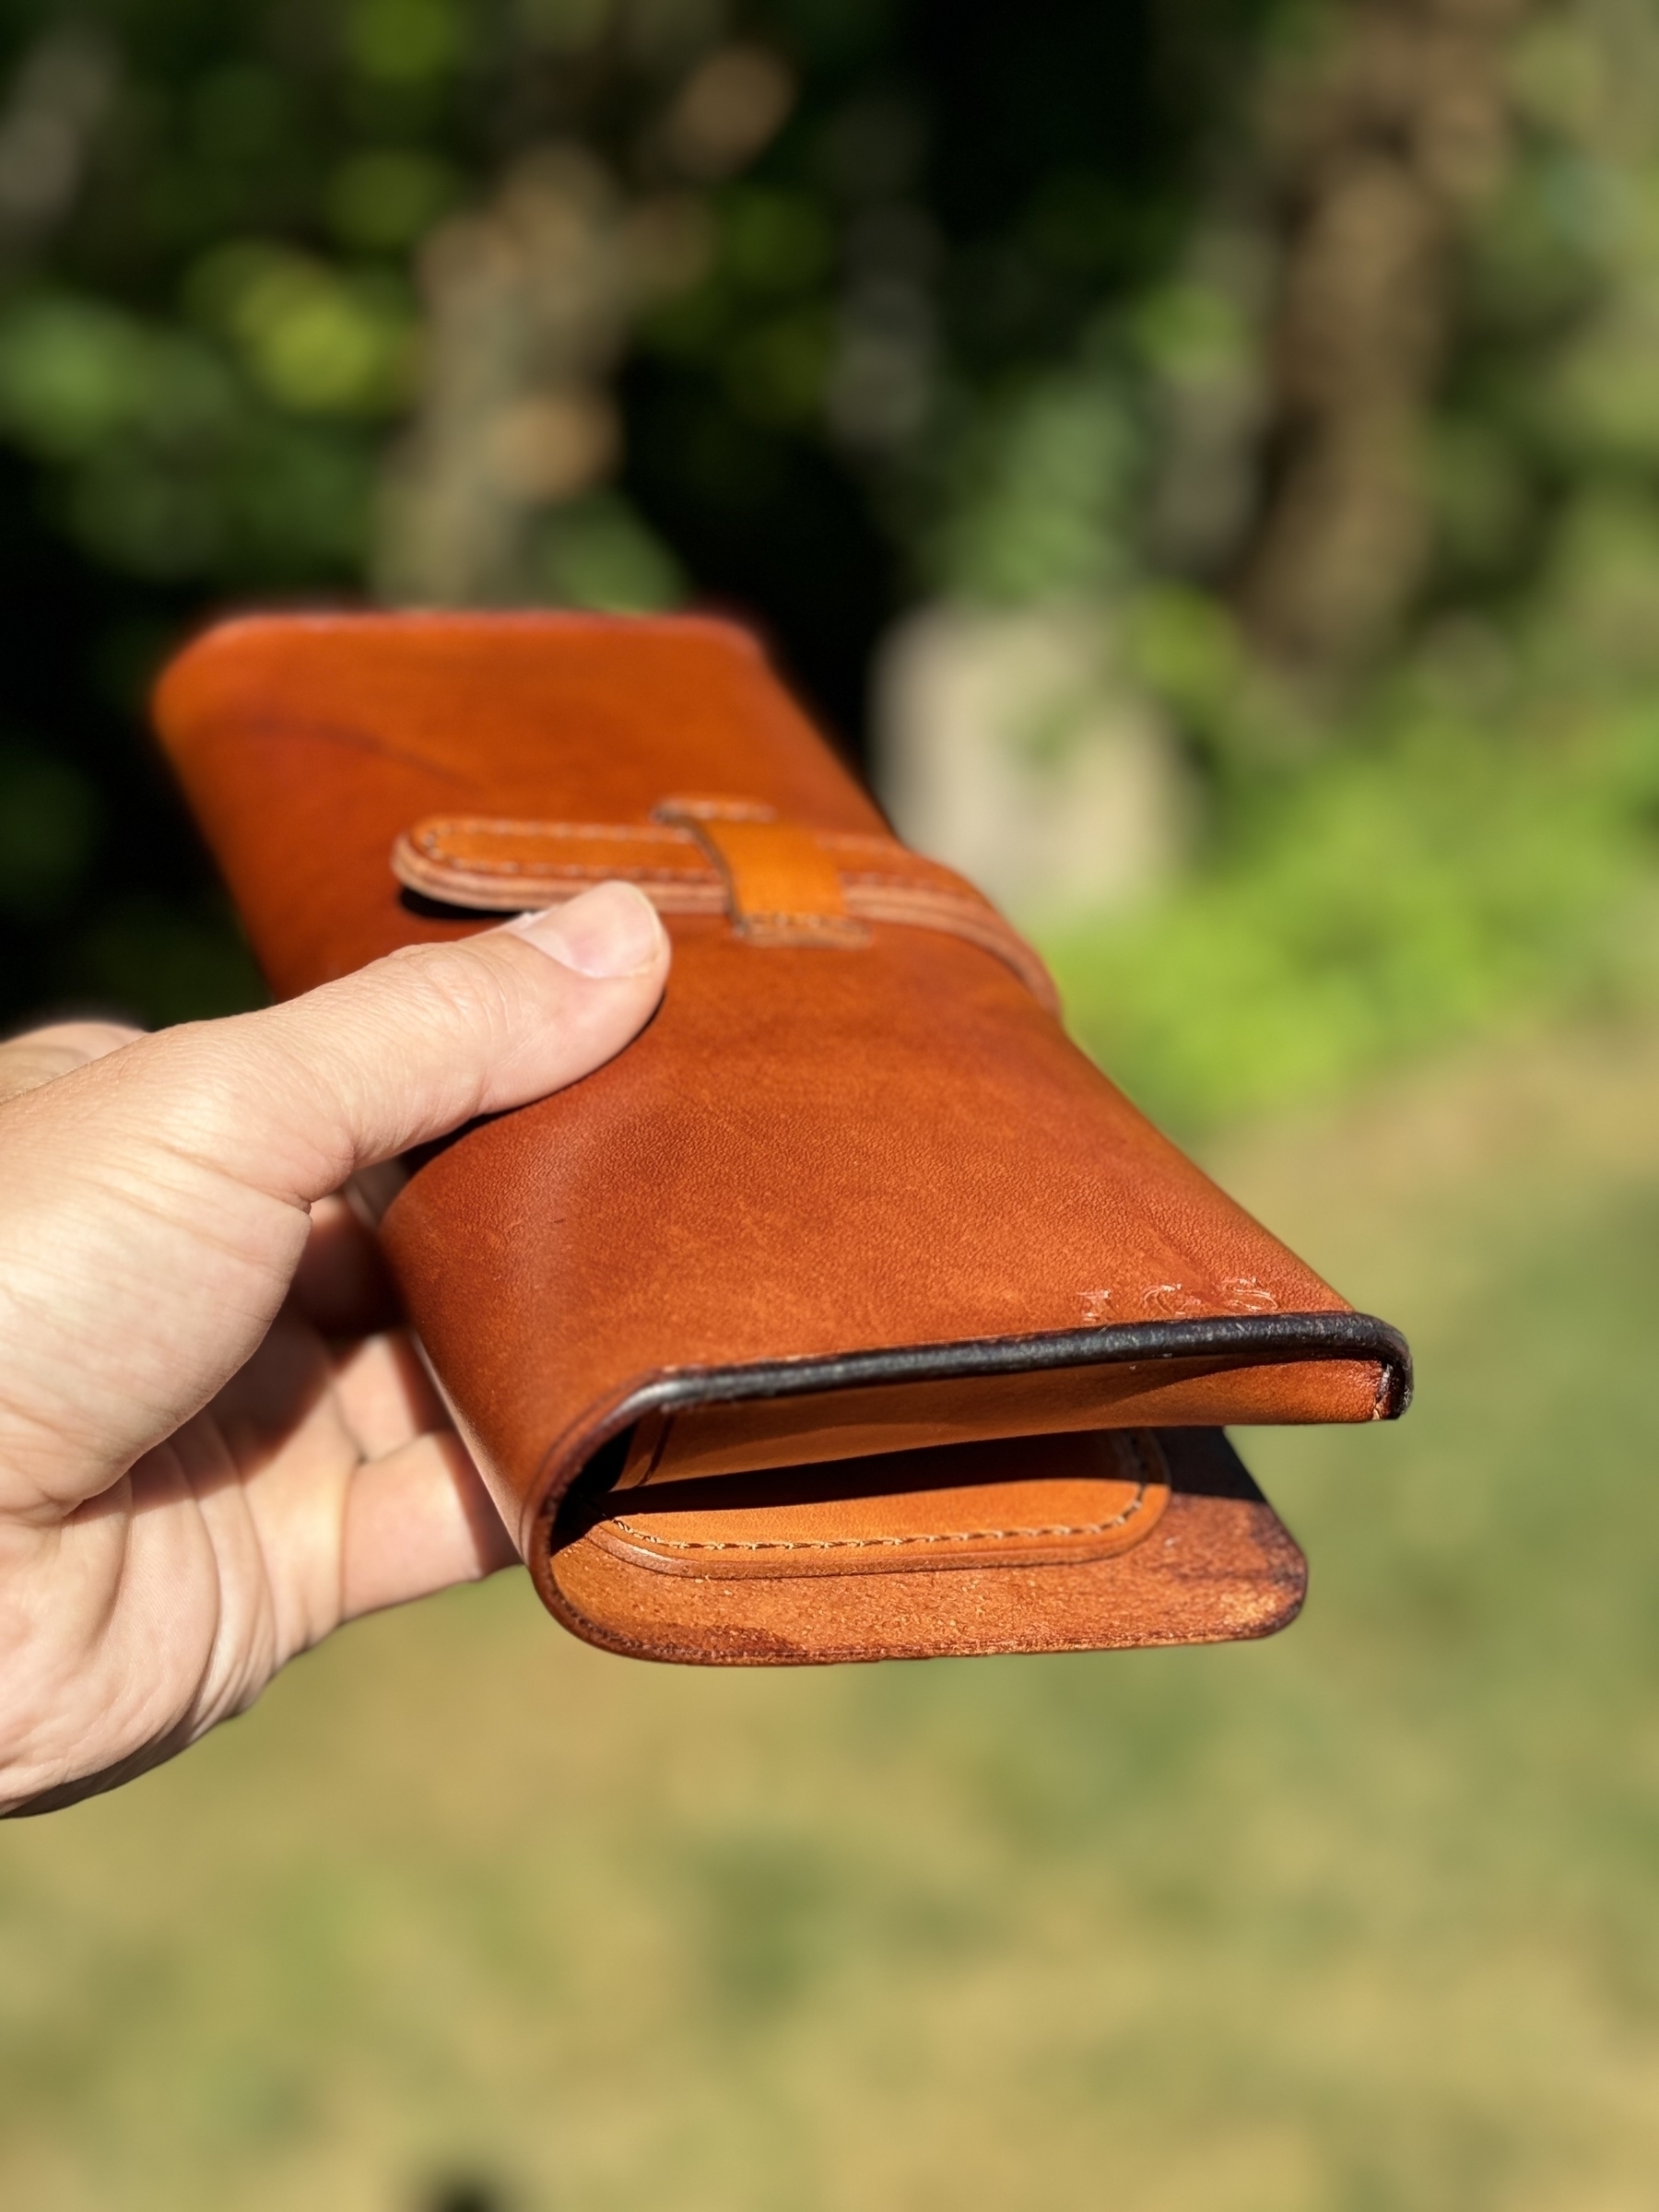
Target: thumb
x: 293, y: 1099
x: 154, y: 1204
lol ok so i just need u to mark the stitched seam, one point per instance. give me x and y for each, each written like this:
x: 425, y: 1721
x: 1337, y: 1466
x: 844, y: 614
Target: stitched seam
x: 561, y: 870
x: 676, y: 811
x: 433, y: 842
x: 956, y: 918
x: 654, y: 833
x: 818, y: 921
x: 839, y: 841
x: 975, y: 1535
x: 930, y: 887
x: 920, y: 899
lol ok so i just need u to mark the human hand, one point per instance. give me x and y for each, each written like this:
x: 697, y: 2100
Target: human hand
x: 216, y: 1446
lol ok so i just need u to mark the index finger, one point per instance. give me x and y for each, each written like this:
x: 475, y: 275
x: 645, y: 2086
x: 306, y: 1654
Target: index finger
x: 41, y: 1055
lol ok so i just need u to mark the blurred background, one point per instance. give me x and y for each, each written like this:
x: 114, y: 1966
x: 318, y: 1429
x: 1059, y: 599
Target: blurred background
x: 1201, y: 457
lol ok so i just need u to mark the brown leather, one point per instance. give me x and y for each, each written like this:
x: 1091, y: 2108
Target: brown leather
x: 1207, y: 1561
x: 782, y: 887
x: 852, y: 1224
x: 1076, y: 1497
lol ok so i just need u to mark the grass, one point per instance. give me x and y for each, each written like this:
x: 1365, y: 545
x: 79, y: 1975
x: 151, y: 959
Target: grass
x: 1366, y: 1918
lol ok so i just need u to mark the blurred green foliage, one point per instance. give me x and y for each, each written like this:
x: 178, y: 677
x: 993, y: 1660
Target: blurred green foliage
x: 212, y: 224
x: 1478, y: 853
x: 918, y: 301
x: 1442, y: 885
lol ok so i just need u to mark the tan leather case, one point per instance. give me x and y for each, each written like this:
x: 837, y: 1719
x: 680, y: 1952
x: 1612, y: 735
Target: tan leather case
x: 851, y: 1312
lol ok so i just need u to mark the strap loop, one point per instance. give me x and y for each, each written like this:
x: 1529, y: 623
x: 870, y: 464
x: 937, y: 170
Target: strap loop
x: 781, y: 885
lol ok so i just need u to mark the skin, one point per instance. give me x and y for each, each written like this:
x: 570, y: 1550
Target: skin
x: 216, y: 1445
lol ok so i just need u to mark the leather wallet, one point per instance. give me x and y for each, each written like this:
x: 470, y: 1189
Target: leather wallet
x: 850, y: 1312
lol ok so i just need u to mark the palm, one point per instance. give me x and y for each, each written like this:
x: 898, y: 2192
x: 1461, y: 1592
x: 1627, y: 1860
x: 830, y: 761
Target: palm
x: 308, y: 1491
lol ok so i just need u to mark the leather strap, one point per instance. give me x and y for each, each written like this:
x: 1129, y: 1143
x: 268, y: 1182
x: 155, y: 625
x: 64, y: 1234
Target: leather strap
x: 778, y: 882
x: 782, y: 887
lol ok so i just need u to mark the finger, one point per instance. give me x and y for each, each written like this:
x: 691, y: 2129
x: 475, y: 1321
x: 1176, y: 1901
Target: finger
x: 386, y: 1396
x: 293, y: 1099
x: 338, y: 1534
x: 342, y: 1286
x: 39, y: 1055
x: 416, y: 1522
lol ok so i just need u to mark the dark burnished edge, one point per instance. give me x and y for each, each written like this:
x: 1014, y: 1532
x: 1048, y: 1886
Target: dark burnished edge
x: 1261, y: 1339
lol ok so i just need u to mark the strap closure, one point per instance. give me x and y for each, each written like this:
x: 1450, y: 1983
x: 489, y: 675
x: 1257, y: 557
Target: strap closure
x: 782, y: 887
x: 779, y: 883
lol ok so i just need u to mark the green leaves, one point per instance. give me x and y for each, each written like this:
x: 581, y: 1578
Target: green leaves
x: 314, y: 339
x: 75, y: 374
x: 168, y: 460
x: 1040, y: 504
x: 1444, y: 880
x: 385, y: 198
x: 406, y: 41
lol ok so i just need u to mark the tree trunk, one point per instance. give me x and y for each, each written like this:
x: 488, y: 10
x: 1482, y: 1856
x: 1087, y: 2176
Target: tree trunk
x: 1382, y: 149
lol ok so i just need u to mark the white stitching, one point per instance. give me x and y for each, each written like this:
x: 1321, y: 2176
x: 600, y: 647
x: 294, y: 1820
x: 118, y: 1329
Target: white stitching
x: 932, y: 897
x: 563, y: 871
x: 439, y: 827
x: 967, y: 1535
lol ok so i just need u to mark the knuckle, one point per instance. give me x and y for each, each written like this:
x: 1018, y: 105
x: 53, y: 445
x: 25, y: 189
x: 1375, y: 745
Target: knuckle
x: 463, y: 985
